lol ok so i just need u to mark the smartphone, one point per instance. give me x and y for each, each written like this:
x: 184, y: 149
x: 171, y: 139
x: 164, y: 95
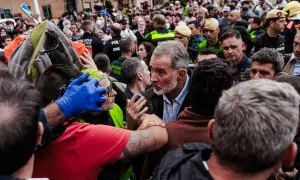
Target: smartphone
x: 26, y: 10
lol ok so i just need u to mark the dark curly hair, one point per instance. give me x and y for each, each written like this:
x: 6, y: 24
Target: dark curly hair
x: 208, y: 81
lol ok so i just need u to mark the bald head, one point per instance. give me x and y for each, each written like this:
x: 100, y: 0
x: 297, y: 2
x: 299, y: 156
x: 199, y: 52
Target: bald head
x: 116, y: 28
x: 234, y: 16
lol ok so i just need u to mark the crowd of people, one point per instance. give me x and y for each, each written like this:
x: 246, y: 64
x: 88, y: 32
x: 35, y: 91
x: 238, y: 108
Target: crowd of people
x: 200, y: 90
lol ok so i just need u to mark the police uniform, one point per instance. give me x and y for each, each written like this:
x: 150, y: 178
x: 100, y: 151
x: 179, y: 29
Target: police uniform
x: 264, y: 40
x: 112, y: 48
x: 210, y: 24
x: 204, y: 45
x: 116, y: 67
x: 255, y: 32
x: 159, y: 35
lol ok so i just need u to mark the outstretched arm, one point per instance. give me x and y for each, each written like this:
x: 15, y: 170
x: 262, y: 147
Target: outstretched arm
x: 144, y: 141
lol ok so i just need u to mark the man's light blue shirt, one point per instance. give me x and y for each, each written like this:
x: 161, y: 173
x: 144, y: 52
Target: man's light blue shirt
x: 171, y: 110
x: 297, y: 67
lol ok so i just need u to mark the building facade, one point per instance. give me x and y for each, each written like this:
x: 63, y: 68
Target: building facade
x: 51, y: 8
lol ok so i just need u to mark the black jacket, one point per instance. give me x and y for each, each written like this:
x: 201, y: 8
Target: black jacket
x: 157, y: 103
x: 93, y: 42
x: 184, y: 163
x: 264, y: 40
x: 112, y: 48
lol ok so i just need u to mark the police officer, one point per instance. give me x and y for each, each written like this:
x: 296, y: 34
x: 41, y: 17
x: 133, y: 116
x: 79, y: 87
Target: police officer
x: 92, y: 42
x: 275, y: 22
x: 112, y: 47
x: 256, y: 29
x: 160, y: 33
x: 127, y: 48
x: 211, y: 32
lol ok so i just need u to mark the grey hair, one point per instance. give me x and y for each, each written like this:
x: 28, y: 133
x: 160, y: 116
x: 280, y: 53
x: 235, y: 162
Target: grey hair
x: 175, y: 49
x: 130, y: 68
x: 68, y: 32
x: 255, y: 122
x: 267, y: 55
x: 126, y: 44
x: 65, y: 22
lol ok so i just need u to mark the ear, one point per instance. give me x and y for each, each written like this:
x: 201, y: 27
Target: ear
x: 40, y: 133
x: 244, y: 46
x: 218, y: 29
x: 210, y: 128
x: 289, y: 156
x: 139, y: 76
x: 109, y: 70
x: 182, y: 73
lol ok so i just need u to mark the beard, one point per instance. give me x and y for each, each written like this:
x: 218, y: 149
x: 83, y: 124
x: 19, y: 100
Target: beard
x: 167, y: 88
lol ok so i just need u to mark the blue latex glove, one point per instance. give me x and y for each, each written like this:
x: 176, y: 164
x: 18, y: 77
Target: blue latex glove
x: 81, y: 96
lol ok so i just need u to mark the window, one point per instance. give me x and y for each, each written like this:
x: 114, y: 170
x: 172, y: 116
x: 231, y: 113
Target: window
x: 71, y: 6
x: 5, y: 13
x: 47, y: 11
x: 87, y: 7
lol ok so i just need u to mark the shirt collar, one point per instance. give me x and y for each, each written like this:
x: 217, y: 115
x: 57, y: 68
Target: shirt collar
x: 180, y: 98
x: 246, y: 62
x: 294, y: 58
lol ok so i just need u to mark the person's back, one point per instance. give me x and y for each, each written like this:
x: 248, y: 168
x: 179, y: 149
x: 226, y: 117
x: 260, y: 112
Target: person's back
x: 127, y: 49
x: 252, y: 136
x: 80, y: 152
x: 94, y: 43
x: 160, y: 33
x: 112, y: 47
x: 102, y: 62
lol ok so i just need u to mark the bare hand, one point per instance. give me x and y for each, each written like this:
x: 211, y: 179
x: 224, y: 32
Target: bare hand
x: 285, y: 175
x: 149, y: 120
x: 87, y: 60
x: 135, y: 111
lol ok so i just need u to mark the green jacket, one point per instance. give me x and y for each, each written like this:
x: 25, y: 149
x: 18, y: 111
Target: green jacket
x: 255, y: 32
x: 116, y: 67
x: 159, y: 35
x: 204, y: 45
x: 116, y: 114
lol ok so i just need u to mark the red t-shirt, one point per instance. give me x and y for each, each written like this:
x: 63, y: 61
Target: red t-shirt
x: 81, y: 152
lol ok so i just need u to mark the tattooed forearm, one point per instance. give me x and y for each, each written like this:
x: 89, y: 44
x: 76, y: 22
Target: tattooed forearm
x: 139, y: 142
x: 144, y: 141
